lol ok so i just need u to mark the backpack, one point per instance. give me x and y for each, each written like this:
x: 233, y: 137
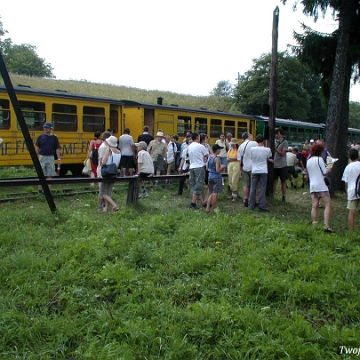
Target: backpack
x: 357, y: 187
x: 95, y: 155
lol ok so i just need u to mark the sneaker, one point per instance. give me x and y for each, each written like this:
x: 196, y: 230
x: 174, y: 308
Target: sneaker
x: 193, y: 207
x: 145, y: 195
x: 328, y: 229
x: 246, y: 203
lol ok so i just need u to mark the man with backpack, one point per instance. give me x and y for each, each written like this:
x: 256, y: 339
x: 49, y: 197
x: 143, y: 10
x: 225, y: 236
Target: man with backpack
x: 351, y: 177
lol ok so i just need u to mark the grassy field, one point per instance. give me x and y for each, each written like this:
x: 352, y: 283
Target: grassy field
x: 162, y: 282
x: 123, y: 92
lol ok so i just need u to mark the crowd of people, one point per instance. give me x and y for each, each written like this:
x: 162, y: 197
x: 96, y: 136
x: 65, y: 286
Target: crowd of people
x: 203, y: 166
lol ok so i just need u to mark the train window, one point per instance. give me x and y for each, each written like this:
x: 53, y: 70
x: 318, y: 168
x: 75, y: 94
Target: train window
x: 215, y: 128
x: 34, y: 114
x: 201, y: 125
x: 229, y: 127
x: 4, y: 115
x: 292, y: 134
x: 241, y: 128
x: 64, y: 117
x: 93, y: 119
x: 114, y: 121
x: 183, y: 125
x: 300, y: 135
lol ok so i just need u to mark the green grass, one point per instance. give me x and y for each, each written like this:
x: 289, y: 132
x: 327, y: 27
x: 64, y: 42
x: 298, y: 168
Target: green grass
x: 123, y: 92
x: 161, y: 281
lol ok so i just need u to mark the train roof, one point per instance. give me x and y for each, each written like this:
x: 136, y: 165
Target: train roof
x: 131, y: 103
x: 25, y: 89
x: 291, y: 122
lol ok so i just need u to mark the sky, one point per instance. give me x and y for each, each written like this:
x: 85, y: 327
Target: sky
x: 185, y: 46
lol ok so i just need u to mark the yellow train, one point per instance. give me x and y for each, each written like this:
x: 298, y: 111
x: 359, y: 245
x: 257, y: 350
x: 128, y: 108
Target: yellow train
x: 76, y: 117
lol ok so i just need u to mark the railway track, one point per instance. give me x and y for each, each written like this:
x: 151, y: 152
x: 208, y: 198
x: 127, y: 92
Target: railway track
x: 26, y: 195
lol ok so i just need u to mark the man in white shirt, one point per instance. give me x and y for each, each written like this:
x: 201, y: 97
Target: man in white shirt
x: 170, y: 155
x: 260, y: 156
x: 127, y: 148
x: 291, y: 162
x: 198, y: 156
x: 145, y: 166
x: 351, y: 173
x: 245, y: 164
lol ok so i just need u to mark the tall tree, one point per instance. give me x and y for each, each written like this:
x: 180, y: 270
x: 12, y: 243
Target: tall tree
x: 346, y: 55
x: 23, y: 59
x: 297, y: 90
x: 224, y: 88
x: 354, y: 115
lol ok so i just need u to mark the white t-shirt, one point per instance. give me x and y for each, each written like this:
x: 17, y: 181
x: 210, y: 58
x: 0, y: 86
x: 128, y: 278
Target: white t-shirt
x: 125, y: 142
x: 316, y: 177
x: 291, y: 159
x: 113, y: 158
x: 147, y: 165
x: 246, y: 147
x: 259, y: 156
x: 102, y: 150
x: 171, y: 149
x: 350, y: 175
x: 196, y: 155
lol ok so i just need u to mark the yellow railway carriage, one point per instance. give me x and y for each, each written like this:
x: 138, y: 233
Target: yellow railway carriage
x: 173, y: 119
x: 75, y: 118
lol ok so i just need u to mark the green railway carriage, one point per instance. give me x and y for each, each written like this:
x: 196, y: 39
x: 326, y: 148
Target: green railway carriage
x: 295, y: 132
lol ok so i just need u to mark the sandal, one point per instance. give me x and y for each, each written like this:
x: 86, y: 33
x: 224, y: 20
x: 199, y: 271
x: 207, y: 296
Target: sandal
x: 328, y: 229
x: 116, y: 208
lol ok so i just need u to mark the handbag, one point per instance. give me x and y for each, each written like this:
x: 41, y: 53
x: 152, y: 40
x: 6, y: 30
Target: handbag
x: 326, y: 178
x: 242, y: 156
x: 110, y: 170
x: 87, y: 167
x: 85, y: 171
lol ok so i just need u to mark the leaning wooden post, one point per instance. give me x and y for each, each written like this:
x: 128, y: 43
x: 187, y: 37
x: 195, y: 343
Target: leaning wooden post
x: 25, y: 131
x: 272, y: 97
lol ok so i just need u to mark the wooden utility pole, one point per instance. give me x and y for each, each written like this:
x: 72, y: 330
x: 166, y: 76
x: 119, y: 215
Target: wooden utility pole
x: 272, y: 96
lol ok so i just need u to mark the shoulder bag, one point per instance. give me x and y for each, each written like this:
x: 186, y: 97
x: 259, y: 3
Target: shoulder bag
x: 242, y: 156
x: 109, y: 170
x: 326, y: 178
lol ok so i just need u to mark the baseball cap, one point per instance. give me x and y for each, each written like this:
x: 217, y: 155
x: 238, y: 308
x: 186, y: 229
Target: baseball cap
x: 216, y: 147
x: 48, y: 125
x: 142, y: 144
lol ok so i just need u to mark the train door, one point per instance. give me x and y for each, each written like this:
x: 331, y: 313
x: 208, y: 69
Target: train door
x: 149, y: 120
x: 165, y: 122
x: 115, y: 116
